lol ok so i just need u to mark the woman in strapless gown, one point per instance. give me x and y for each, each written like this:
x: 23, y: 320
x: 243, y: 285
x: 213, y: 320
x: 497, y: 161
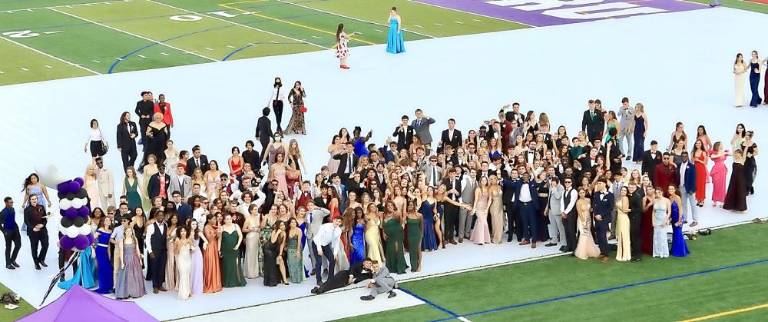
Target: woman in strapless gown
x: 740, y: 79
x: 497, y: 214
x: 586, y: 246
x: 373, y: 236
x: 480, y: 234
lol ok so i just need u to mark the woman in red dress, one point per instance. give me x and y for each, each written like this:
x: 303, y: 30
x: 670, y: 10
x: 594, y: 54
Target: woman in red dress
x: 700, y: 160
x: 235, y: 163
x: 164, y: 108
x: 646, y: 226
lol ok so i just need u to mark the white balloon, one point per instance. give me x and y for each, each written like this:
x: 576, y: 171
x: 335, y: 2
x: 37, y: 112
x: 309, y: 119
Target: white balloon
x: 65, y: 204
x: 49, y: 175
x: 85, y: 229
x: 77, y: 203
x: 71, y: 231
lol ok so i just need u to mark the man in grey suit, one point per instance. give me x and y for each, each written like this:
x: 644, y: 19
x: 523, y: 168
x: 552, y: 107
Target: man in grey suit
x: 432, y: 172
x: 315, y: 217
x: 468, y: 185
x: 181, y: 182
x: 627, y: 127
x: 421, y: 126
x: 381, y: 282
x: 556, y: 228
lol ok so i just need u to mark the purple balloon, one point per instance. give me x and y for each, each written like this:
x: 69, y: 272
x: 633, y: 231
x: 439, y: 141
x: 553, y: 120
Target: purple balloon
x: 70, y: 213
x: 80, y: 183
x: 81, y: 242
x: 83, y: 211
x: 66, y: 242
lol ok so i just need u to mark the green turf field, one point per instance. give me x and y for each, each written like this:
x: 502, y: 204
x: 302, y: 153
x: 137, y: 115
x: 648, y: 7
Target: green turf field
x: 741, y: 4
x: 700, y: 287
x: 12, y: 315
x: 51, y: 39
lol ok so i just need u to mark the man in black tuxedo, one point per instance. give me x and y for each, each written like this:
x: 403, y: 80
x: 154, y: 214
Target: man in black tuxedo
x: 156, y: 244
x: 144, y: 109
x: 602, y: 205
x: 264, y: 130
x: 347, y: 162
x: 510, y: 189
x: 126, y: 140
x: 593, y: 122
x: 514, y: 115
x: 451, y: 136
x: 453, y: 191
x: 635, y: 220
x: 569, y: 214
x: 159, y: 184
x: 404, y: 134
x: 198, y: 160
x: 357, y: 273
x: 651, y: 158
x: 251, y: 156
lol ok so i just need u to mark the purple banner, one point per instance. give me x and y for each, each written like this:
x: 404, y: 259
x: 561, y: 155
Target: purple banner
x: 539, y: 13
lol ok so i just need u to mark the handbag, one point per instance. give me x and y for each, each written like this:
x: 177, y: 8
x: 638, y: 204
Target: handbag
x: 104, y: 145
x: 303, y: 109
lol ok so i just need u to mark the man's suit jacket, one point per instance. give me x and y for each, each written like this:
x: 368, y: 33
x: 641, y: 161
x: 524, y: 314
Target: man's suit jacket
x: 533, y: 189
x: 689, y: 178
x: 343, y: 157
x: 422, y: 129
x: 124, y: 131
x: 185, y: 212
x: 191, y: 165
x: 429, y: 171
x: 603, y: 204
x: 593, y: 125
x: 649, y: 163
x: 154, y: 185
x: 455, y: 141
x: 404, y: 139
x: 264, y: 129
x: 184, y: 188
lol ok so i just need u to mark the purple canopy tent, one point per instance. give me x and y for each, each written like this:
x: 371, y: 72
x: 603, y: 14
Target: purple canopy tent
x: 79, y: 304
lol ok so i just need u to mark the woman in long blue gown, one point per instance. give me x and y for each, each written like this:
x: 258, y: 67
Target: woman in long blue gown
x: 754, y: 79
x: 84, y: 273
x: 679, y: 248
x: 103, y: 262
x: 639, y: 134
x: 395, y: 43
x: 358, y: 240
x: 427, y: 210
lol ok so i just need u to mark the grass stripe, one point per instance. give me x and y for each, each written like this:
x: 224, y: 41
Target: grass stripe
x: 132, y: 34
x: 51, y: 56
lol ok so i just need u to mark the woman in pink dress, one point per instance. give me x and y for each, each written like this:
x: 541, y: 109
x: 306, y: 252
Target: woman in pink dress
x: 277, y: 171
x: 480, y: 234
x: 719, y: 172
x: 700, y: 159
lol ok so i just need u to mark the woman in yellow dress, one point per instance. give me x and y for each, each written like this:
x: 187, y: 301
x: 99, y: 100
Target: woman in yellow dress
x: 149, y: 170
x: 623, y: 250
x: 373, y: 234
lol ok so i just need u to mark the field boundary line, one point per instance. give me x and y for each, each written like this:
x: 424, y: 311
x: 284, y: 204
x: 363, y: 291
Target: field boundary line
x: 727, y: 313
x: 130, y: 33
x: 238, y: 24
x: 472, y: 13
x: 51, y: 56
x: 227, y: 5
x: 62, y: 6
x: 348, y: 17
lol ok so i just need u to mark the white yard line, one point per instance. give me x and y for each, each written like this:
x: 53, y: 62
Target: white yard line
x: 52, y: 56
x: 350, y: 18
x: 238, y: 24
x: 132, y: 34
x: 65, y: 6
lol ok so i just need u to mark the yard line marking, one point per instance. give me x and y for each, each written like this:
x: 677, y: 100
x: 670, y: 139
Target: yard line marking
x: 226, y: 5
x: 418, y: 26
x: 96, y: 61
x: 59, y: 6
x: 130, y: 33
x: 164, y: 54
x: 378, y: 30
x: 142, y: 56
x: 52, y: 56
x: 25, y: 69
x: 230, y: 46
x: 208, y: 48
x: 313, y: 36
x: 438, y: 24
x: 477, y: 20
x: 2, y: 72
x: 459, y: 22
x: 48, y: 66
x: 726, y: 313
x: 235, y: 23
x: 347, y: 17
x: 453, y: 315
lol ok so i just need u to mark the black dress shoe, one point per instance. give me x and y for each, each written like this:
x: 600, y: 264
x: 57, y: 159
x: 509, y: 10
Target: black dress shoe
x: 635, y: 260
x: 37, y: 267
x: 564, y: 248
x: 43, y: 264
x: 314, y: 290
x: 550, y: 244
x: 367, y: 298
x: 16, y: 264
x: 391, y: 294
x: 9, y: 266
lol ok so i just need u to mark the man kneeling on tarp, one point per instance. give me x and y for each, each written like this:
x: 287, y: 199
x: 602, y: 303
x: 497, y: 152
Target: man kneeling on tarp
x: 381, y: 282
x: 356, y: 273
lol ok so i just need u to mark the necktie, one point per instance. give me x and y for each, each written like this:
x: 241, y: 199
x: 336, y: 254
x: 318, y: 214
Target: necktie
x: 349, y: 163
x: 434, y: 176
x: 197, y: 162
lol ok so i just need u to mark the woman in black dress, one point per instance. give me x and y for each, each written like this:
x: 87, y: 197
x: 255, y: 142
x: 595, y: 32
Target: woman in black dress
x: 750, y: 167
x: 273, y: 248
x: 157, y: 135
x: 736, y: 197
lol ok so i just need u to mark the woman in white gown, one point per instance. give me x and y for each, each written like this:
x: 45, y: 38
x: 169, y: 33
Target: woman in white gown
x: 92, y: 186
x: 740, y: 78
x: 184, y: 251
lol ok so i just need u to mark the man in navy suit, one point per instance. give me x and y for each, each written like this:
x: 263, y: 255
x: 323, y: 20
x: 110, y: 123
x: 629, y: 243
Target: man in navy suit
x: 687, y: 188
x: 182, y: 208
x: 527, y: 201
x: 510, y: 189
x: 602, y: 205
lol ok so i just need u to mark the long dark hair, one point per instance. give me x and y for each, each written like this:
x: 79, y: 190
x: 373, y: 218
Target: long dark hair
x: 28, y: 181
x: 338, y: 31
x: 737, y: 58
x: 278, y: 82
x: 122, y: 117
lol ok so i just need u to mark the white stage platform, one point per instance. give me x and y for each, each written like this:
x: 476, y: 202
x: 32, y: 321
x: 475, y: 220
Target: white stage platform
x: 677, y: 64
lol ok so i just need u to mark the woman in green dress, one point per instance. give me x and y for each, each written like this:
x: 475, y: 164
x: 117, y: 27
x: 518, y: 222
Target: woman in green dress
x: 229, y: 246
x: 131, y: 188
x: 415, y: 224
x: 295, y: 265
x: 393, y: 240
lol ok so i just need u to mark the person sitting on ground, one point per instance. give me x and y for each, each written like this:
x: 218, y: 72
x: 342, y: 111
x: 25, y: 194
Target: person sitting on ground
x: 357, y: 273
x: 381, y: 282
